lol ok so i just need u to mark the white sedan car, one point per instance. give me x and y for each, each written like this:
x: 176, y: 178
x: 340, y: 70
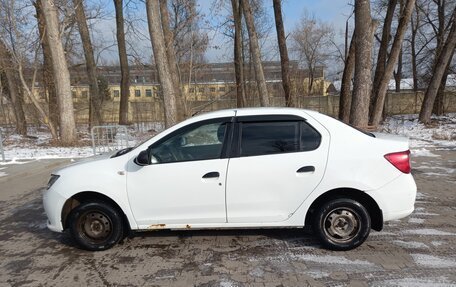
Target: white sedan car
x: 240, y: 168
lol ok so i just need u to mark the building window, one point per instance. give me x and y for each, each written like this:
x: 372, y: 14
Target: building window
x: 212, y: 89
x: 149, y: 93
x: 85, y: 94
x: 201, y: 90
x: 137, y: 93
x: 116, y: 93
x: 191, y: 90
x: 221, y: 89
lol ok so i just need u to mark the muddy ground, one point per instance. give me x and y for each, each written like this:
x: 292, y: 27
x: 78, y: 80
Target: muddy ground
x: 417, y: 251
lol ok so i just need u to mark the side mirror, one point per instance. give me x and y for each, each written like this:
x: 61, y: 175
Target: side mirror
x: 143, y: 158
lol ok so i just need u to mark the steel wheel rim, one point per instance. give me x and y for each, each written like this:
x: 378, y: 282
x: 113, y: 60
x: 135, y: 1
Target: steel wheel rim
x: 95, y: 226
x: 342, y: 224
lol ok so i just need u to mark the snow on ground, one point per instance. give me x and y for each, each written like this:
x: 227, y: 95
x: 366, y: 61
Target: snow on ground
x: 2, y: 173
x: 440, y: 134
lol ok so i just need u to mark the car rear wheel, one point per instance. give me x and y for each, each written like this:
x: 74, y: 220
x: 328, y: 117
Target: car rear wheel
x: 95, y: 225
x: 341, y: 224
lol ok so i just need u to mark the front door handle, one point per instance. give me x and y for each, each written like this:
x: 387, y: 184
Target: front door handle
x: 309, y: 168
x: 212, y: 174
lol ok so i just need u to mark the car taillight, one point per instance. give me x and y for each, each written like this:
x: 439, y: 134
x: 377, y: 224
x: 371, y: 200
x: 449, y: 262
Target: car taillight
x: 400, y: 160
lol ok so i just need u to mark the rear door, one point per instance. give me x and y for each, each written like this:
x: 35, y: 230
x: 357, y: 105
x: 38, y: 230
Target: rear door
x: 278, y: 161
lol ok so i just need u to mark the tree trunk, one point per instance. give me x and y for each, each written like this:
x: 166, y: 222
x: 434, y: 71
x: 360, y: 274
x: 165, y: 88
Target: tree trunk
x: 364, y: 34
x: 415, y: 25
x: 47, y: 69
x: 124, y: 70
x: 171, y: 54
x: 161, y: 61
x: 95, y: 100
x: 345, y: 98
x: 392, y: 60
x: 61, y: 74
x: 284, y: 61
x: 238, y: 61
x: 439, y: 70
x: 398, y: 73
x: 14, y: 91
x: 256, y: 54
x: 439, y: 107
x: 383, y: 50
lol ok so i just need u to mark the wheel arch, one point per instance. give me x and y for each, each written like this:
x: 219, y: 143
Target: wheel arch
x: 367, y: 201
x: 90, y: 196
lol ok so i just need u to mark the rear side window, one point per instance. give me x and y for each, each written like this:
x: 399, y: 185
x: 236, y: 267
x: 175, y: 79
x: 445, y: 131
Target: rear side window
x: 262, y: 138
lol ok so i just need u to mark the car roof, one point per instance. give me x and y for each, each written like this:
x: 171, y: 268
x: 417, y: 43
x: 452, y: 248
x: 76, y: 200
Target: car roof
x: 252, y: 112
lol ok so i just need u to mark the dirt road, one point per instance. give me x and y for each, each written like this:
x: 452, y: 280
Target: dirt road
x: 419, y: 250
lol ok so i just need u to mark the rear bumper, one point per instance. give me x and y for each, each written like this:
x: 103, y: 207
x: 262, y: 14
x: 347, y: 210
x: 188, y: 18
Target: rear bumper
x: 397, y: 198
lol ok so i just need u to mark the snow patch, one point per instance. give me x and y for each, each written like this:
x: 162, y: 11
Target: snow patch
x: 423, y: 152
x: 2, y: 173
x: 330, y: 259
x: 410, y: 244
x: 433, y: 261
x: 428, y: 231
x: 416, y: 220
x: 416, y: 282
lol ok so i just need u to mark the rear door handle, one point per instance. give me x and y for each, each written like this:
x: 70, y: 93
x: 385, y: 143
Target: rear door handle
x: 309, y: 168
x: 212, y: 174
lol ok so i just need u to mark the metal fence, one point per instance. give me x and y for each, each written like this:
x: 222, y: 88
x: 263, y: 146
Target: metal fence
x: 1, y: 146
x: 109, y: 138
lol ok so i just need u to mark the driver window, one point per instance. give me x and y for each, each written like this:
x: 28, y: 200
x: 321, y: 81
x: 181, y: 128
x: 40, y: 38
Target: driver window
x: 202, y: 142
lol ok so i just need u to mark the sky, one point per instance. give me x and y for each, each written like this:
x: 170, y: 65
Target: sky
x: 334, y: 12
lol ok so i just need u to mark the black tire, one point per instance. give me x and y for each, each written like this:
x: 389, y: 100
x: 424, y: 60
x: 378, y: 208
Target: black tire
x: 341, y: 224
x: 96, y: 226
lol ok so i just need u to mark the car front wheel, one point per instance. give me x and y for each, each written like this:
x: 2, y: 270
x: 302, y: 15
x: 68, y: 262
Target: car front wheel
x: 341, y: 224
x: 95, y: 225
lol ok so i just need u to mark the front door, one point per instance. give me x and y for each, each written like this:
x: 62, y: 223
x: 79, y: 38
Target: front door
x: 185, y: 182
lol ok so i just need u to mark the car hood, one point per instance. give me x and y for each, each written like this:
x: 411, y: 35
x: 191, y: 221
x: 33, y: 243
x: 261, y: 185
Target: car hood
x: 87, y: 160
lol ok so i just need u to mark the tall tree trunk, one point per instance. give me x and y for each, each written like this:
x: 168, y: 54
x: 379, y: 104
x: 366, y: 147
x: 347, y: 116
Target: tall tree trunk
x: 415, y: 25
x: 392, y: 60
x: 345, y: 98
x: 61, y: 74
x: 438, y: 103
x: 364, y: 34
x: 14, y: 91
x: 161, y: 61
x: 95, y: 100
x: 173, y: 66
x: 256, y: 54
x: 123, y: 59
x: 47, y: 69
x: 284, y: 61
x: 383, y: 49
x: 398, y: 73
x: 238, y: 58
x: 439, y: 70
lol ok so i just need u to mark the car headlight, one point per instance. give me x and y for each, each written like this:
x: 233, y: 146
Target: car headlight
x: 52, y: 180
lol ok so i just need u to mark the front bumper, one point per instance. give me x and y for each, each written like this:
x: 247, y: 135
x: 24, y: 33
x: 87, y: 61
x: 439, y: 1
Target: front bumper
x: 53, y: 204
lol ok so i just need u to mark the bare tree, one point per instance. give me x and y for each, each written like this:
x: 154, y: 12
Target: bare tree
x: 364, y: 29
x: 124, y: 70
x: 284, y: 61
x: 171, y: 55
x: 13, y: 88
x: 161, y: 61
x: 383, y: 49
x: 48, y: 81
x: 238, y: 59
x: 312, y: 39
x: 61, y: 74
x: 345, y: 98
x: 255, y: 53
x: 380, y: 92
x: 442, y: 61
x: 95, y: 99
